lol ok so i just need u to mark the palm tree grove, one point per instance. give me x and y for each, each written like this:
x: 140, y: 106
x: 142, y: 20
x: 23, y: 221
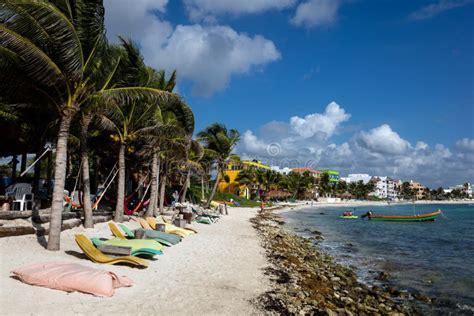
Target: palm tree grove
x: 113, y: 124
x: 212, y: 157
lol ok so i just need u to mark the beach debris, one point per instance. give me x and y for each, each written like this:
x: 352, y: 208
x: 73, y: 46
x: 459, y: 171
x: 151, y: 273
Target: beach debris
x: 307, y: 281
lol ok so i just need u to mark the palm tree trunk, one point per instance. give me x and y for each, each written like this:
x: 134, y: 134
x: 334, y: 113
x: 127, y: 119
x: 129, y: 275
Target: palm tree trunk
x: 214, y: 188
x: 162, y: 191
x: 14, y: 165
x: 118, y: 217
x: 154, y: 186
x: 59, y: 180
x: 49, y: 173
x: 185, y: 188
x: 37, y: 172
x: 23, y: 162
x: 202, y: 187
x: 88, y: 221
x: 156, y: 207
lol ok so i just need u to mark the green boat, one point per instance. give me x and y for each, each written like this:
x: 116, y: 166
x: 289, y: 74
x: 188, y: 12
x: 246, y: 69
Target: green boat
x: 405, y: 218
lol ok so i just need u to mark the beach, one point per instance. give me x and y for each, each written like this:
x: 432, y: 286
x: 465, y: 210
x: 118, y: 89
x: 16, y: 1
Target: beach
x: 247, y: 263
x: 218, y: 271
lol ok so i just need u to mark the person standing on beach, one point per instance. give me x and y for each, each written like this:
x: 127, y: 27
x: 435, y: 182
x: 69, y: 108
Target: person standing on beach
x: 175, y: 197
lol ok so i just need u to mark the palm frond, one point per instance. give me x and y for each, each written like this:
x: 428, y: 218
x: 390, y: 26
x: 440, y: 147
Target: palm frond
x: 63, y: 36
x: 36, y: 63
x: 127, y: 95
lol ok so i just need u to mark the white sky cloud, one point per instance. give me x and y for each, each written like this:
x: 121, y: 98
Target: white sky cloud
x: 314, y: 13
x: 466, y: 144
x: 207, y: 55
x: 437, y: 8
x: 377, y: 151
x: 383, y: 140
x: 199, y: 9
x: 325, y: 123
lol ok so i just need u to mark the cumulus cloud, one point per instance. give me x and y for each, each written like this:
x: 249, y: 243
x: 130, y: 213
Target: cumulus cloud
x: 383, y: 140
x: 208, y: 55
x: 377, y: 151
x: 314, y: 13
x: 437, y: 8
x: 298, y: 138
x: 465, y: 144
x: 325, y: 123
x: 198, y: 9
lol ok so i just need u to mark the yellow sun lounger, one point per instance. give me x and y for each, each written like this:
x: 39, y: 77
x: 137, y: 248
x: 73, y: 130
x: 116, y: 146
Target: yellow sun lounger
x: 169, y: 228
x: 147, y: 225
x: 166, y: 221
x: 116, y: 231
x: 144, y: 223
x: 98, y: 256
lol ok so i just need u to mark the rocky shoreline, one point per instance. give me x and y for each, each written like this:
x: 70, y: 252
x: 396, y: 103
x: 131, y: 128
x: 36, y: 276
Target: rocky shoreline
x: 305, y: 280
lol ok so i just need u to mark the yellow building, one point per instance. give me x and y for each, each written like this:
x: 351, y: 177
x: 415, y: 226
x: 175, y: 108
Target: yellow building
x: 232, y: 171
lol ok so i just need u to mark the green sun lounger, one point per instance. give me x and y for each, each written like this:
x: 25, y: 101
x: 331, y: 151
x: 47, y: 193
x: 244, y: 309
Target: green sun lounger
x: 163, y: 238
x: 203, y: 220
x: 138, y: 246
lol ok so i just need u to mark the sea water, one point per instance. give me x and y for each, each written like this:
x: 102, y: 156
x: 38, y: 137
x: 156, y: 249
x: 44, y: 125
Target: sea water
x: 433, y: 258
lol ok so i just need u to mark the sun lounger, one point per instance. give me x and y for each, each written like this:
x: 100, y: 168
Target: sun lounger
x: 98, y: 257
x: 146, y: 225
x: 162, y: 238
x: 161, y: 219
x: 131, y: 235
x: 139, y: 247
x: 169, y: 228
x: 116, y: 231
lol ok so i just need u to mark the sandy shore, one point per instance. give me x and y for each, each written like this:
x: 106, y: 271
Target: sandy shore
x: 215, y: 272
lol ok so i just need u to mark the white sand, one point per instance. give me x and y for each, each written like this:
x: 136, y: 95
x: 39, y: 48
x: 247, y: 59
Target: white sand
x: 215, y: 272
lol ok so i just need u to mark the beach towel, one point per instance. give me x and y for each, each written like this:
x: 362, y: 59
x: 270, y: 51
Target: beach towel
x: 72, y: 277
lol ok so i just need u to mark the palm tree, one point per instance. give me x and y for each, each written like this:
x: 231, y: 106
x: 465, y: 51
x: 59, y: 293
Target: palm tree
x: 56, y: 48
x: 123, y: 66
x: 248, y: 177
x: 194, y: 153
x: 128, y: 122
x: 219, y: 143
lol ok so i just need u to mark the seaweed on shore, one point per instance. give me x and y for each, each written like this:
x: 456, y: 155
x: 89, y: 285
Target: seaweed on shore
x: 306, y: 281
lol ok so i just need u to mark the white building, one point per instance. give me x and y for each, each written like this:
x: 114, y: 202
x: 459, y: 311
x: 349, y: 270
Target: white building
x: 385, y: 188
x: 464, y: 188
x: 356, y: 177
x: 281, y: 170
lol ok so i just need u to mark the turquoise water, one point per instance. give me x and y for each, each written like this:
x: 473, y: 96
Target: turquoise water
x: 434, y: 258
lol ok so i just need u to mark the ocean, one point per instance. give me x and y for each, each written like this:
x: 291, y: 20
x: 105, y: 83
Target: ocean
x: 432, y: 258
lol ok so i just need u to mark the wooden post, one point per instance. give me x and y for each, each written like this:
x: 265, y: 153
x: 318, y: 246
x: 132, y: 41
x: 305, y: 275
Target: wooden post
x: 188, y: 217
x: 180, y: 222
x: 161, y: 227
x: 23, y: 162
x: 140, y: 234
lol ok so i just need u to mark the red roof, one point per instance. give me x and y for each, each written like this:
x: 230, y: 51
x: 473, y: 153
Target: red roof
x: 303, y: 170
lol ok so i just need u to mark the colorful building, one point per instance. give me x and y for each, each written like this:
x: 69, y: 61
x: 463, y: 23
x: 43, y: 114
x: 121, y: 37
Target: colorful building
x: 229, y: 185
x: 418, y: 189
x: 312, y: 172
x: 333, y: 175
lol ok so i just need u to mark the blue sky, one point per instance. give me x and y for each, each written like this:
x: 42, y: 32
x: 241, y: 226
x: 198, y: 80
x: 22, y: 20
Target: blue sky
x: 400, y: 74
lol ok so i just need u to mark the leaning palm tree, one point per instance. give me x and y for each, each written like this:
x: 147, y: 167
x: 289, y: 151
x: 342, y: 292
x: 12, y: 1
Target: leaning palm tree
x: 166, y: 135
x: 194, y: 153
x: 219, y: 143
x: 56, y: 48
x: 128, y: 122
x: 122, y: 67
x: 176, y: 115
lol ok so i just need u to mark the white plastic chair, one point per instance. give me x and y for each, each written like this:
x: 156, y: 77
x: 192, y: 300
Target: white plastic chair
x: 22, y: 196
